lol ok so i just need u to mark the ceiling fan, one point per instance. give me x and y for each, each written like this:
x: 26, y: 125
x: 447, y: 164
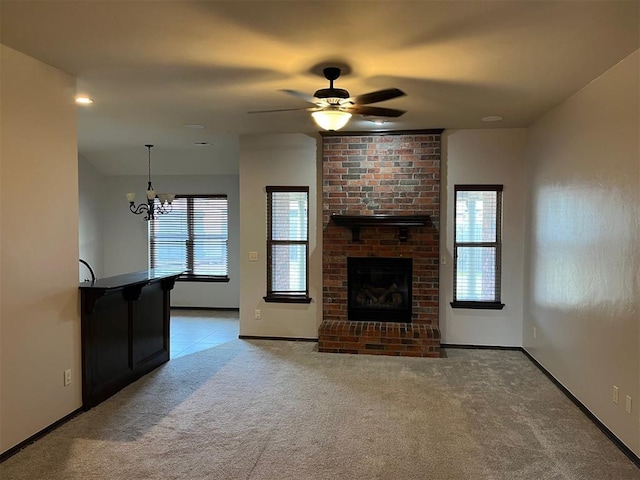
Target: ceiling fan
x: 333, y: 107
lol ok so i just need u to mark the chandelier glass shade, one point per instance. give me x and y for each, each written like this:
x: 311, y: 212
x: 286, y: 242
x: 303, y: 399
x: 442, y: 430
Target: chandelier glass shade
x: 151, y: 209
x: 331, y: 118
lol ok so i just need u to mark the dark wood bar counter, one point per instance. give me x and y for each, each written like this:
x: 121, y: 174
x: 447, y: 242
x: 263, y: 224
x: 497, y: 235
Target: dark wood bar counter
x: 125, y: 330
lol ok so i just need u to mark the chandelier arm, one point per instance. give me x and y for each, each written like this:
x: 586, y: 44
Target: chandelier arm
x: 142, y: 208
x: 163, y: 209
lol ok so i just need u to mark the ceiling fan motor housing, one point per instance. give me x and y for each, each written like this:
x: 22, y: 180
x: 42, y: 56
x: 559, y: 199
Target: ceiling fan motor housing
x: 331, y: 93
x: 331, y: 74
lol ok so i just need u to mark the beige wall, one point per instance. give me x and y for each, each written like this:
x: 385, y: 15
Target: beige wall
x: 492, y: 156
x: 277, y: 160
x: 39, y: 322
x: 583, y: 246
x: 91, y: 190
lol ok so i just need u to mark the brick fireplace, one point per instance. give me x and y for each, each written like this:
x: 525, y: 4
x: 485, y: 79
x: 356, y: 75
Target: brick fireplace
x: 381, y: 200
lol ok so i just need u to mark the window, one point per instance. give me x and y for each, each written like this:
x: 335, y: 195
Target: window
x: 288, y: 244
x: 477, y: 246
x: 193, y: 237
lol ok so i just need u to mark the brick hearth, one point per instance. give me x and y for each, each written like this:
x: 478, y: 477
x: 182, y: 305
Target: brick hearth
x: 379, y: 338
x: 391, y: 174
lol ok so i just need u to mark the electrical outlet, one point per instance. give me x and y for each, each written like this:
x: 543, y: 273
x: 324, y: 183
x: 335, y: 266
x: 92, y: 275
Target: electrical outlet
x: 67, y: 377
x: 628, y: 405
x: 253, y: 256
x: 535, y: 332
x: 258, y: 315
x: 615, y: 395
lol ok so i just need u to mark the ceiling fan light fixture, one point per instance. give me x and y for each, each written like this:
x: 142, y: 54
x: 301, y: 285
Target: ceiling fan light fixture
x: 331, y: 119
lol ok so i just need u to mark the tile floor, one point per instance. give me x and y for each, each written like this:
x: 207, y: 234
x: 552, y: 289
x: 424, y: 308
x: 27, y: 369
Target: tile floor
x: 195, y: 330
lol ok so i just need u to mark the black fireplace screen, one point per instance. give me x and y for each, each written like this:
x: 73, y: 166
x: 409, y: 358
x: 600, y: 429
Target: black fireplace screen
x: 379, y: 289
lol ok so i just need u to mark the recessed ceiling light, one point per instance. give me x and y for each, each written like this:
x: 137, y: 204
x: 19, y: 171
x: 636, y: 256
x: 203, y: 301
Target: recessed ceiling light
x: 491, y: 118
x: 83, y: 100
x: 194, y: 126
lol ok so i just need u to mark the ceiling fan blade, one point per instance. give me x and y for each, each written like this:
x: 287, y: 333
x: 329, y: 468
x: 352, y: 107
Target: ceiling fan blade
x: 282, y: 110
x: 375, y: 111
x: 377, y: 96
x: 303, y: 96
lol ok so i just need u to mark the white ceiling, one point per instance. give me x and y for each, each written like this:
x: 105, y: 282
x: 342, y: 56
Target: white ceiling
x: 154, y: 66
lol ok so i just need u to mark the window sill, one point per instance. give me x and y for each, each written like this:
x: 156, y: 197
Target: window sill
x: 478, y: 305
x: 287, y: 299
x: 201, y: 278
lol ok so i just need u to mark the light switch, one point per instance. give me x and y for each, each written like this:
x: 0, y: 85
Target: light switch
x: 253, y: 256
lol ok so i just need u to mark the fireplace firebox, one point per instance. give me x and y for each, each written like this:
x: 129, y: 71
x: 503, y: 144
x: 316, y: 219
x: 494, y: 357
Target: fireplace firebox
x: 379, y: 289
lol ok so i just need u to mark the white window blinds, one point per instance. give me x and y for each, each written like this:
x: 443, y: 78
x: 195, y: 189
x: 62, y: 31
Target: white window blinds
x: 477, y: 243
x: 193, y: 237
x: 287, y: 241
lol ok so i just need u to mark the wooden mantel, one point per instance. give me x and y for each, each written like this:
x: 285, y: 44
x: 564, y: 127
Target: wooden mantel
x: 402, y: 222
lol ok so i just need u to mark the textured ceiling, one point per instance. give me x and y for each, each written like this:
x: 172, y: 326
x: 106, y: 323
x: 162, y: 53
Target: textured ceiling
x: 154, y: 66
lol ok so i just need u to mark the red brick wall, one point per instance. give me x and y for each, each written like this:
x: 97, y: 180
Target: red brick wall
x: 391, y: 174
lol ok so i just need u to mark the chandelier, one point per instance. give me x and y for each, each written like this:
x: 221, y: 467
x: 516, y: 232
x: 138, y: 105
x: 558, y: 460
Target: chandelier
x: 150, y: 208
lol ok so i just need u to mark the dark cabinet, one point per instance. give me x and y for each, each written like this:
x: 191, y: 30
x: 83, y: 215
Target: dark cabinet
x: 125, y: 330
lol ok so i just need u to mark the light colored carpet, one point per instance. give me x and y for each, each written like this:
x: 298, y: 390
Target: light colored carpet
x: 281, y: 410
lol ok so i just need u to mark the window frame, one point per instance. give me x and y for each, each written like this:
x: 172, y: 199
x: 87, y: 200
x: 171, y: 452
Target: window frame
x: 496, y: 303
x: 186, y: 276
x: 274, y: 296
